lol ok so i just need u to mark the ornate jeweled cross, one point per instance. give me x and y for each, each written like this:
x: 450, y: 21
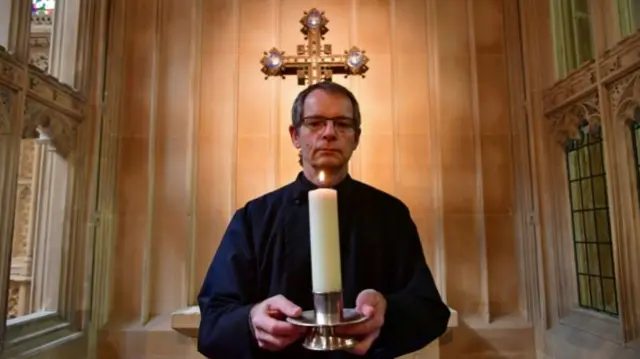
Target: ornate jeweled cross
x: 314, y: 61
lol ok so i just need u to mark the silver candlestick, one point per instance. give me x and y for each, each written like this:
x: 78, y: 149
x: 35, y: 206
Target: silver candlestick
x: 328, y: 314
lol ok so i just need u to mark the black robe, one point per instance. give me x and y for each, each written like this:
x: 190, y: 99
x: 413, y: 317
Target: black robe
x: 266, y: 251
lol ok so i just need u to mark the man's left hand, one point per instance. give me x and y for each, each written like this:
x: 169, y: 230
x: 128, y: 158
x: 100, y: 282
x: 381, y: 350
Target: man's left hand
x: 373, y: 305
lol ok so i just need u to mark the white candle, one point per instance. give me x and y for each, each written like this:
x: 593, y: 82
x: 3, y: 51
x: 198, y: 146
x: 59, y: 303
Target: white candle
x: 326, y: 272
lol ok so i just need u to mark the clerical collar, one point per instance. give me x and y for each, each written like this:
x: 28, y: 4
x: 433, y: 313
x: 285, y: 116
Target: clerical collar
x: 302, y: 186
x: 307, y: 185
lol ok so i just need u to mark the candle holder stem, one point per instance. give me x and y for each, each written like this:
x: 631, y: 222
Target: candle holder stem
x: 328, y: 314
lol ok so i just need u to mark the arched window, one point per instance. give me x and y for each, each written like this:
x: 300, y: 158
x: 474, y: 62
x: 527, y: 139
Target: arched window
x: 41, y: 201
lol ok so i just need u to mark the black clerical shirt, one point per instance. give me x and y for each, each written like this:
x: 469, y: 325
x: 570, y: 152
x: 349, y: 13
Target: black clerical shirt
x: 266, y: 251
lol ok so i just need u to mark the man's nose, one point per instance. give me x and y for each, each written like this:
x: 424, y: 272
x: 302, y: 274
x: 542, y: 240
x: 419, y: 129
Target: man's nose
x: 329, y: 130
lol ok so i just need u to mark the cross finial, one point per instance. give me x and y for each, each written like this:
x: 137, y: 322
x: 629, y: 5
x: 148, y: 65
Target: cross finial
x: 314, y: 62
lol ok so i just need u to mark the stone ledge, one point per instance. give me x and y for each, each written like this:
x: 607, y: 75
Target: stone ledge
x: 187, y: 320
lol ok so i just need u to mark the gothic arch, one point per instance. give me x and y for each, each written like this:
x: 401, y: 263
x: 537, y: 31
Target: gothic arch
x: 44, y: 123
x: 625, y: 97
x: 568, y: 120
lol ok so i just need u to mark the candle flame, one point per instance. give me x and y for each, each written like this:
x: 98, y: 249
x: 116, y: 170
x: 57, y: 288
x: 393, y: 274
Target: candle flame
x: 321, y: 177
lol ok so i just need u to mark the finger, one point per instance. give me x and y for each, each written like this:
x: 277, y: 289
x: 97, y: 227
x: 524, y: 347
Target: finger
x: 367, y: 296
x: 367, y: 310
x: 364, y: 328
x: 284, y: 305
x: 363, y: 346
x: 356, y: 329
x: 275, y: 313
x: 272, y: 342
x: 274, y: 326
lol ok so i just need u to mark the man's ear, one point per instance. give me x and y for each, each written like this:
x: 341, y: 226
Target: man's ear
x: 295, y: 136
x: 356, y: 141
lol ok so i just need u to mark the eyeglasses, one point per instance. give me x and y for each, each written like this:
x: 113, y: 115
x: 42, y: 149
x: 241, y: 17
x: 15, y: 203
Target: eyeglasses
x: 319, y: 123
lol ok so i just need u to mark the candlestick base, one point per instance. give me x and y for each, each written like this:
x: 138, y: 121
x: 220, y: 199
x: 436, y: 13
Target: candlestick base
x: 322, y: 321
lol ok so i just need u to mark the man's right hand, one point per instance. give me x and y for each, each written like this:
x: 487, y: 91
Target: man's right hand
x: 269, y: 327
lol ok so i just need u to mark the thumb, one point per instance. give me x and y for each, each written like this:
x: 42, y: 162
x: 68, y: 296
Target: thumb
x: 366, y: 310
x: 285, y: 306
x: 368, y: 296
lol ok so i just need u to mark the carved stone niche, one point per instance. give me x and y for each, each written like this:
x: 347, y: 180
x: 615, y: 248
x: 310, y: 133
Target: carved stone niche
x: 568, y: 121
x: 39, y: 45
x: 625, y: 97
x: 53, y: 127
x: 40, y: 41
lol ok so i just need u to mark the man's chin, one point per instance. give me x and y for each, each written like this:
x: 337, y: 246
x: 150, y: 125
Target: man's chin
x: 328, y: 162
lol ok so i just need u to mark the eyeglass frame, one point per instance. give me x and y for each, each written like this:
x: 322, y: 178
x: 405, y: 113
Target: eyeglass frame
x: 351, y: 126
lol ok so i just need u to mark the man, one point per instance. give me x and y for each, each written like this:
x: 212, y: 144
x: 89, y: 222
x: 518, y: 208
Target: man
x: 261, y: 272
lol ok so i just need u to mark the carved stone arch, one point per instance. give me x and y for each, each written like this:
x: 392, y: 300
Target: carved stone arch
x: 46, y: 124
x: 570, y: 120
x: 35, y: 116
x: 63, y: 134
x: 625, y: 97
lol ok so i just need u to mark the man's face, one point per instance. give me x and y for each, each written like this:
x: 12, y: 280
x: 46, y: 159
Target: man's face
x: 327, y: 137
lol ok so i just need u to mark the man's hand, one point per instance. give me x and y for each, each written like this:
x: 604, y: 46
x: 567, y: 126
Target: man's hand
x: 373, y: 305
x: 271, y: 331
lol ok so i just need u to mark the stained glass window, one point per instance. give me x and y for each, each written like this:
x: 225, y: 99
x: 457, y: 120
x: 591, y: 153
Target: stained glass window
x: 591, y: 226
x: 635, y: 137
x: 43, y: 7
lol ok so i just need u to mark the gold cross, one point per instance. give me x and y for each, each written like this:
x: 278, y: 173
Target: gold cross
x: 314, y: 61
